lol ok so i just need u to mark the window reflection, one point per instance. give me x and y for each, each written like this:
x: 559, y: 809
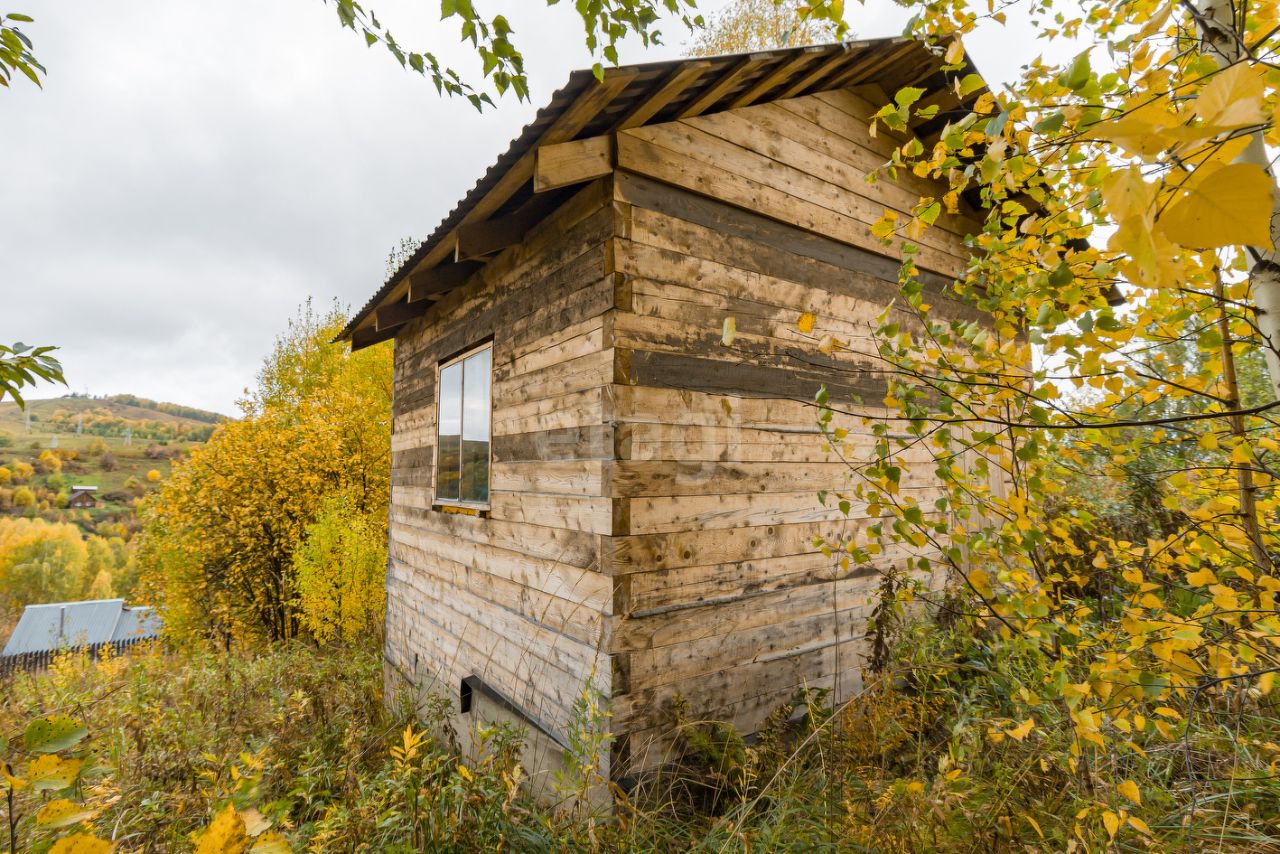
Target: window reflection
x: 475, y: 426
x: 462, y: 461
x: 449, y: 459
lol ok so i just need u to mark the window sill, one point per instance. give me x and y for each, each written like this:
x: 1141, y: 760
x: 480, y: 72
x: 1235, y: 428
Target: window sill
x: 480, y: 510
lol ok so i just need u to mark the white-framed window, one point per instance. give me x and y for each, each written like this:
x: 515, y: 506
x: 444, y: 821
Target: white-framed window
x: 463, y: 418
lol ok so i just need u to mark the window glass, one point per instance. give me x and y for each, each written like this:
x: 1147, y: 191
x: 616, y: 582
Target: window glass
x: 449, y: 454
x: 462, y: 458
x: 475, y: 426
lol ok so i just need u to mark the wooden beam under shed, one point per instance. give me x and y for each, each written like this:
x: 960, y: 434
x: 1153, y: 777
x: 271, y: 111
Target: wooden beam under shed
x: 397, y: 314
x: 367, y: 336
x: 863, y: 71
x: 479, y: 239
x: 430, y: 284
x: 568, y: 163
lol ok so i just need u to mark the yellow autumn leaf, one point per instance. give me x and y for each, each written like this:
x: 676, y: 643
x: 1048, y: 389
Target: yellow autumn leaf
x: 805, y: 323
x: 255, y: 822
x: 883, y: 227
x: 224, y: 835
x: 955, y: 53
x: 1128, y: 194
x: 63, y: 813
x: 1112, y: 822
x: 1022, y: 730
x: 729, y: 332
x: 1130, y: 790
x: 271, y: 842
x: 81, y: 843
x: 50, y: 772
x: 1139, y: 825
x: 1233, y: 97
x: 1202, y: 577
x: 1231, y: 206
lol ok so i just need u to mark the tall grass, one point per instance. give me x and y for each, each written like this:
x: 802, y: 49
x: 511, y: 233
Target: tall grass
x: 916, y: 762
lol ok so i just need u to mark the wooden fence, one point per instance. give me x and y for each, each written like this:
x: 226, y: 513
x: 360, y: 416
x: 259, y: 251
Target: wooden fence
x: 28, y: 662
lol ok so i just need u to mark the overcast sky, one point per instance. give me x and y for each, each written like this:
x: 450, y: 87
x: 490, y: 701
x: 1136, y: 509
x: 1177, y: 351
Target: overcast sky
x: 193, y: 171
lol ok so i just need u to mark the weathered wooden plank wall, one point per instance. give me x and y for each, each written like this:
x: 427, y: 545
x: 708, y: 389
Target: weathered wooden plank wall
x: 721, y: 596
x: 515, y: 596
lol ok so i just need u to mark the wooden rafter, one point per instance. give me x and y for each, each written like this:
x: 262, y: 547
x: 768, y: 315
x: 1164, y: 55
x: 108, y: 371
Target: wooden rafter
x: 825, y: 69
x: 367, y: 336
x: 396, y: 314
x: 721, y: 87
x: 861, y: 72
x: 681, y: 79
x: 767, y: 83
x: 479, y: 239
x: 426, y: 285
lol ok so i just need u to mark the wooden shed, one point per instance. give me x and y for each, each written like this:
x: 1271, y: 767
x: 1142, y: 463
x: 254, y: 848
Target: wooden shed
x: 587, y: 484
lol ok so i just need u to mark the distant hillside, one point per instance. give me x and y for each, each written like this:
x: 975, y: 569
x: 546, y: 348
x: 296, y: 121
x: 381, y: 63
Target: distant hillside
x: 124, y: 445
x: 118, y: 415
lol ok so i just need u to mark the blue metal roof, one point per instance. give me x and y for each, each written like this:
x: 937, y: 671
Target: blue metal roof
x: 66, y: 624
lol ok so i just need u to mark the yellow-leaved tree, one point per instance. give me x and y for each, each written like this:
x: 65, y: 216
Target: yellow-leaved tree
x: 1128, y: 354
x: 749, y: 25
x: 341, y: 572
x: 221, y: 533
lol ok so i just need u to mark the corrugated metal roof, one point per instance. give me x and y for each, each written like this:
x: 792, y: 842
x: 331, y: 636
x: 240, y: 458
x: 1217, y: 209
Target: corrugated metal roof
x: 890, y: 62
x: 136, y: 623
x: 67, y: 624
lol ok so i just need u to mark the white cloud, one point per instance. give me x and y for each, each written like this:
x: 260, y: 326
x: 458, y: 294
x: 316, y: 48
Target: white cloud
x: 193, y: 171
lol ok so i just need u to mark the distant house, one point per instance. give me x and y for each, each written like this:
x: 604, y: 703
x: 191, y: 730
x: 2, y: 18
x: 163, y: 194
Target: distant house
x: 83, y: 497
x: 43, y: 630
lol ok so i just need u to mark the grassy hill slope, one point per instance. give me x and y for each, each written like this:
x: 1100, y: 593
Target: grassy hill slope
x: 101, y: 454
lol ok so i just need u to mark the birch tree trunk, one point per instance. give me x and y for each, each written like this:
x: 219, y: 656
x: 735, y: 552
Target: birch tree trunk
x: 1222, y: 34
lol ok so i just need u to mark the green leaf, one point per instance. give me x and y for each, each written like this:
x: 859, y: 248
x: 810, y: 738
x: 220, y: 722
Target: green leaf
x: 1077, y: 74
x: 1061, y: 275
x: 971, y: 83
x: 1049, y: 124
x: 53, y: 733
x: 908, y: 95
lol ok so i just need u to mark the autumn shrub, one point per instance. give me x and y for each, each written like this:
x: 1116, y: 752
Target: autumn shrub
x: 222, y: 531
x: 50, y: 462
x: 341, y: 569
x: 289, y: 736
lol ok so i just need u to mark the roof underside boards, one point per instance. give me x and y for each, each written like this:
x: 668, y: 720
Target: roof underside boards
x: 652, y: 93
x: 56, y: 626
